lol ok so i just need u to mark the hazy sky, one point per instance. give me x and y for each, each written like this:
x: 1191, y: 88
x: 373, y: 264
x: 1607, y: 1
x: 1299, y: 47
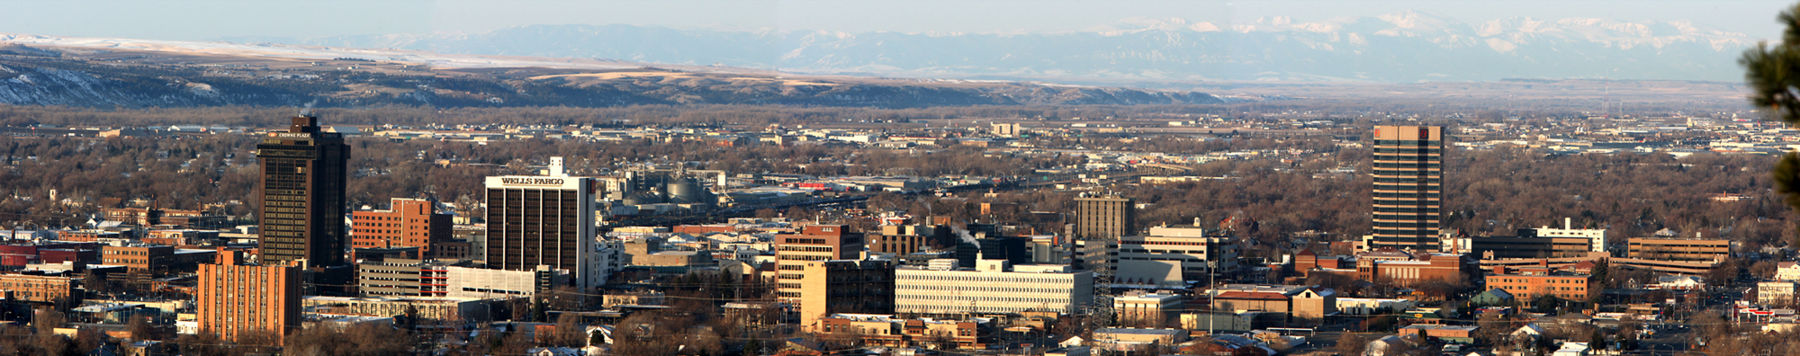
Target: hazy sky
x: 206, y: 20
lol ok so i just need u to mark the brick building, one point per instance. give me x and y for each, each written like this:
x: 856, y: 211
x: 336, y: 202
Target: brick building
x: 1421, y: 267
x: 140, y: 258
x: 1529, y: 283
x: 845, y: 286
x: 248, y: 303
x: 887, y: 330
x: 907, y: 238
x: 38, y: 288
x: 407, y: 223
x: 813, y: 243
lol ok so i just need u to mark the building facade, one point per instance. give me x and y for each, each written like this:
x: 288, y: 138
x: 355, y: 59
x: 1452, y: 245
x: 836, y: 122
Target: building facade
x: 1173, y: 256
x: 1422, y: 267
x: 1528, y: 285
x: 38, y: 288
x: 442, y: 310
x: 845, y: 286
x: 465, y: 282
x: 993, y: 287
x: 814, y: 243
x: 141, y: 258
x: 543, y: 220
x: 303, y: 180
x: 247, y: 303
x: 1777, y: 293
x: 906, y: 238
x: 1408, y: 170
x: 890, y: 331
x: 406, y: 223
x: 1596, y: 238
x: 1147, y: 310
x: 1104, y: 218
x: 1676, y: 249
x: 398, y: 277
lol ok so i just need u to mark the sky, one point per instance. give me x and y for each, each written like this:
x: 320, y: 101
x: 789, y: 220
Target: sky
x: 215, y: 19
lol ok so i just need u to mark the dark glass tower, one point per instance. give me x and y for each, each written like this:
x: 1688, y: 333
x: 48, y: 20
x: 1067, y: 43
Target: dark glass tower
x: 1409, y: 180
x: 303, y: 195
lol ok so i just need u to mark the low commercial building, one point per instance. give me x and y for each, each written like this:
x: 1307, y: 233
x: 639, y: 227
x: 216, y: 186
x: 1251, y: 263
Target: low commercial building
x: 1456, y: 334
x: 887, y: 330
x: 1541, y: 242
x: 1306, y: 263
x: 451, y: 310
x: 1372, y: 306
x: 1131, y: 339
x: 901, y: 239
x: 1419, y: 268
x: 1173, y: 256
x: 1149, y: 310
x: 1530, y: 283
x: 397, y: 277
x: 845, y: 286
x: 37, y: 288
x: 465, y: 282
x: 993, y: 287
x: 139, y: 258
x: 1294, y: 301
x: 1780, y: 293
x: 1675, y: 249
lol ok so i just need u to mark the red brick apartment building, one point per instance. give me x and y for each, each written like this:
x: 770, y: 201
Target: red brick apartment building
x: 407, y: 223
x: 247, y: 303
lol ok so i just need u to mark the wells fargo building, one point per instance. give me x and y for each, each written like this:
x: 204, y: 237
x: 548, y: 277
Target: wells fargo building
x: 542, y: 220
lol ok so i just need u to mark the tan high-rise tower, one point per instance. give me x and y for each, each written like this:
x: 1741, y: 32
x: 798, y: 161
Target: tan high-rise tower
x: 1104, y: 218
x: 1409, y: 181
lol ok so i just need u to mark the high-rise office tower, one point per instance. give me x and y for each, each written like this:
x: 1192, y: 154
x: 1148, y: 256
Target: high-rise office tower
x: 1104, y: 218
x: 543, y: 220
x: 303, y: 195
x: 1409, y: 180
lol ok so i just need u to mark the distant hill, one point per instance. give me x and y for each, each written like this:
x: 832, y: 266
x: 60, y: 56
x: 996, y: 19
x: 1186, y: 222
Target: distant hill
x: 1400, y: 47
x: 40, y: 70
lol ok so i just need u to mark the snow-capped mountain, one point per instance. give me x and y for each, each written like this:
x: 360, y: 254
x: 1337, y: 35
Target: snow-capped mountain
x: 1400, y: 47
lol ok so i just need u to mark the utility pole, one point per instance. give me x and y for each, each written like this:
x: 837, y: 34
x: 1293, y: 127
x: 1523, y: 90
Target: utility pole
x: 1212, y: 295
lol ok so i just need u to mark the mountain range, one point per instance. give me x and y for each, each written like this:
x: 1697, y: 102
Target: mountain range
x: 1400, y: 47
x: 107, y: 72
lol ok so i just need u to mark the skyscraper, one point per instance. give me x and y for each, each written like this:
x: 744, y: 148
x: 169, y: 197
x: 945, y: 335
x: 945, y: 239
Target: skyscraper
x: 303, y: 195
x: 543, y: 220
x: 1409, y: 183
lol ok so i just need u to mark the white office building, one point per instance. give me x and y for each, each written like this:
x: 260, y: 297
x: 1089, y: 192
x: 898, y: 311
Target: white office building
x: 993, y: 287
x: 1172, y: 256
